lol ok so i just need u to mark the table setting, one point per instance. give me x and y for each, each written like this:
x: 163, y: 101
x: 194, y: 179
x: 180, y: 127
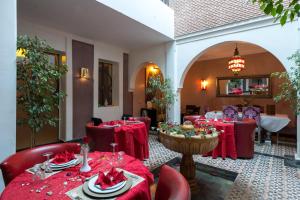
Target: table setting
x: 86, y: 176
x: 226, y: 146
x: 131, y: 136
x: 271, y: 123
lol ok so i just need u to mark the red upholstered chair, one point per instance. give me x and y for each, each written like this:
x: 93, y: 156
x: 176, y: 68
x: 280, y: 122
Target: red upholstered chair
x: 244, y: 137
x: 100, y: 137
x: 191, y: 118
x: 146, y: 120
x: 172, y: 185
x: 22, y: 160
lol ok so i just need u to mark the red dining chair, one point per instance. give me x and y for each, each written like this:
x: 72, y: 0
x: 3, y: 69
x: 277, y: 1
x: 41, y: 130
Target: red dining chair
x: 100, y: 138
x: 146, y: 120
x: 244, y: 138
x: 172, y: 185
x: 191, y: 118
x: 22, y: 160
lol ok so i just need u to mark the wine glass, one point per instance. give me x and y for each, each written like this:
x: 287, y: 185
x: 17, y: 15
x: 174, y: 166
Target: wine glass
x: 48, y: 168
x: 113, y: 144
x: 38, y: 173
x: 120, y: 157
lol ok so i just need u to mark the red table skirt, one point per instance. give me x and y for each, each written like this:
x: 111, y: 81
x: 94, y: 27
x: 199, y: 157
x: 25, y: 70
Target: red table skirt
x: 226, y: 146
x: 55, y: 183
x: 132, y: 139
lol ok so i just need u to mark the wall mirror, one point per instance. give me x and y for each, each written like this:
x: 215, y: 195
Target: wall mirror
x: 258, y: 86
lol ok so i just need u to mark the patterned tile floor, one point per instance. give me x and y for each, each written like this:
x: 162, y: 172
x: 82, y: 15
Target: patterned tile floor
x: 263, y: 177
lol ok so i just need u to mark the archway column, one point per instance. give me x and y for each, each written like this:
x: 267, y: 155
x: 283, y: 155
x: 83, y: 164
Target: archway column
x: 174, y: 111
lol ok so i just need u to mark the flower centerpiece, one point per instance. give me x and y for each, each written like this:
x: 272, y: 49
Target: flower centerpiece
x: 188, y: 130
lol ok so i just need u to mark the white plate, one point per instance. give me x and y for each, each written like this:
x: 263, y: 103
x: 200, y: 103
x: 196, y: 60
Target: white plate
x: 71, y: 162
x: 97, y: 189
x: 110, y: 126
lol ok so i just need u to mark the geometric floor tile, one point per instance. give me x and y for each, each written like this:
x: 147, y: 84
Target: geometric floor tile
x: 263, y: 177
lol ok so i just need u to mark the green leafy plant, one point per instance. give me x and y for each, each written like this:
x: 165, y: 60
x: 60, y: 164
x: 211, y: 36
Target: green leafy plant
x: 280, y: 9
x: 290, y: 87
x: 162, y: 93
x: 37, y: 93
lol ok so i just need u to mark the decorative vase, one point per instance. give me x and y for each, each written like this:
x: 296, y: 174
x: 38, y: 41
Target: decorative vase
x: 85, y: 165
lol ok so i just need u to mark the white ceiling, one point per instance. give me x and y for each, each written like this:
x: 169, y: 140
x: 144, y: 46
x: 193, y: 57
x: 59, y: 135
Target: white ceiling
x: 90, y: 19
x: 226, y: 50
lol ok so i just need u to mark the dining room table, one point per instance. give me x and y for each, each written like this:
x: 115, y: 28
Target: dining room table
x: 68, y: 183
x: 131, y: 137
x: 271, y: 123
x: 226, y: 146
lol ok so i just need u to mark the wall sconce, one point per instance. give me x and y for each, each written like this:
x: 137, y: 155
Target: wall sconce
x: 64, y: 59
x: 204, y: 84
x: 84, y: 73
x: 20, y: 53
x: 154, y: 69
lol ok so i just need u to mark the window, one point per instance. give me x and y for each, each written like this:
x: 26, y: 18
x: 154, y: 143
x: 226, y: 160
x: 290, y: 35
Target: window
x: 108, y: 83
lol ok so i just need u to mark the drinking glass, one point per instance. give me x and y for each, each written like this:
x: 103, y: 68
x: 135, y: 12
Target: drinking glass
x: 48, y: 168
x: 120, y: 157
x: 38, y: 173
x: 112, y: 161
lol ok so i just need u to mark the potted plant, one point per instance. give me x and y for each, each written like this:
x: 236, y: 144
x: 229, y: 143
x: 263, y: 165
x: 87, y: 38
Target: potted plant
x: 290, y: 87
x: 37, y: 93
x: 162, y: 93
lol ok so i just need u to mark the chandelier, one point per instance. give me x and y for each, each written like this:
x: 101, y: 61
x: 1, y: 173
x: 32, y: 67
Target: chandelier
x: 236, y: 63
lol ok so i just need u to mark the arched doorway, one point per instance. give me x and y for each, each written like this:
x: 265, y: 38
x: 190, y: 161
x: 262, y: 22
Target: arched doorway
x: 140, y: 98
x: 212, y: 63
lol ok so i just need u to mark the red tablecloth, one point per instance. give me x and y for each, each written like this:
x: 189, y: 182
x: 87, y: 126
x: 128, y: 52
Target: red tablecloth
x: 226, y: 146
x: 132, y: 139
x: 55, y: 183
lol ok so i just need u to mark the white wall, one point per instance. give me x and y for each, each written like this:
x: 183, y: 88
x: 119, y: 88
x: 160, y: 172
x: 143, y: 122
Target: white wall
x: 152, y: 13
x: 137, y: 58
x: 8, y: 80
x: 114, y: 54
x: 63, y: 41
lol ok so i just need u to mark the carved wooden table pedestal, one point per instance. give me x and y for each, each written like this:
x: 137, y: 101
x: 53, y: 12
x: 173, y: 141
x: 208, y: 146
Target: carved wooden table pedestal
x: 188, y: 147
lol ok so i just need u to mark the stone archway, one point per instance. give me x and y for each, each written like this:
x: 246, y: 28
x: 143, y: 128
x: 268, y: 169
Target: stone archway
x: 138, y: 90
x: 184, y: 70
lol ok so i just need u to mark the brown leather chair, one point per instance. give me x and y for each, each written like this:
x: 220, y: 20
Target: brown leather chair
x: 172, y: 185
x: 22, y: 160
x: 244, y: 138
x: 100, y: 137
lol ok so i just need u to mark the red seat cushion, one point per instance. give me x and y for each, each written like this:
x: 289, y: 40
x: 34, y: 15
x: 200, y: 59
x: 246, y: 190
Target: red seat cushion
x: 172, y: 185
x: 192, y: 118
x: 22, y: 160
x: 244, y: 138
x: 100, y: 138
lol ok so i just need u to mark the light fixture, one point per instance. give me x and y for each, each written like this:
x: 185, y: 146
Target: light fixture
x: 20, y: 53
x: 64, y: 59
x: 204, y: 85
x: 84, y: 73
x: 236, y: 63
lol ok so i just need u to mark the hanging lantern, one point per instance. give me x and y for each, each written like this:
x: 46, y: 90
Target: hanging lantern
x: 236, y: 63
